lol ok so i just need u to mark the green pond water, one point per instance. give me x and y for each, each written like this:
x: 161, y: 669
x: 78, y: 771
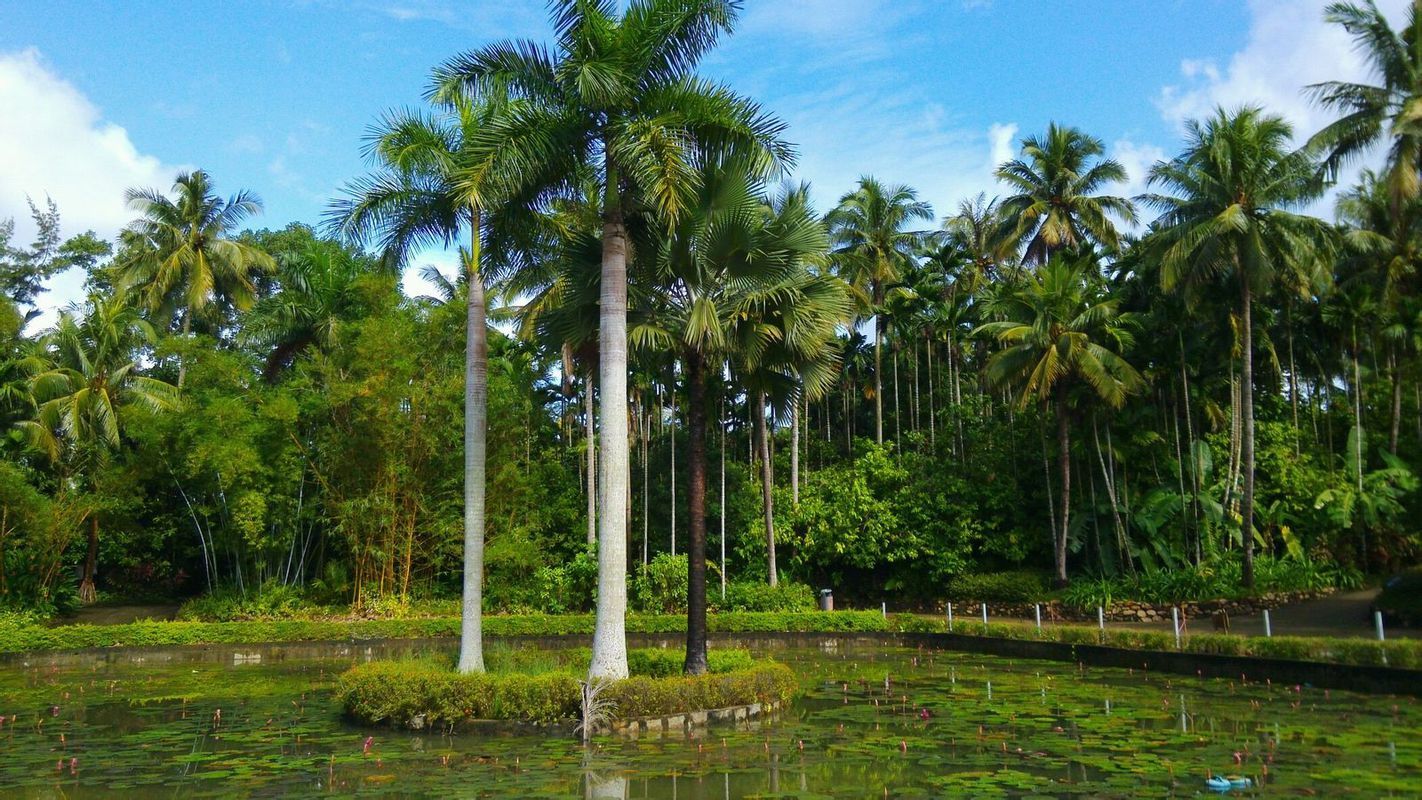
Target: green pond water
x: 259, y: 721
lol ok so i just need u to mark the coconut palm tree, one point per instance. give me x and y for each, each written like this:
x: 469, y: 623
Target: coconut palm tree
x: 412, y: 201
x: 616, y: 96
x: 1382, y: 112
x: 1064, y: 339
x: 182, y: 261
x: 872, y: 250
x: 1057, y: 204
x: 1226, y: 220
x: 86, y: 384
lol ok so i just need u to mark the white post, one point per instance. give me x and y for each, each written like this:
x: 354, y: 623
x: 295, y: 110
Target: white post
x: 1101, y: 618
x: 884, y: 609
x: 1268, y: 629
x: 1037, y: 609
x: 1377, y: 625
x: 1175, y: 623
x: 984, y: 617
x: 950, y: 617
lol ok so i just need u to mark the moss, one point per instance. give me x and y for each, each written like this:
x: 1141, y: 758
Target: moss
x: 400, y: 692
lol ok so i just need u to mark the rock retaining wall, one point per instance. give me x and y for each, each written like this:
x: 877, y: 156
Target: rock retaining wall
x: 680, y: 724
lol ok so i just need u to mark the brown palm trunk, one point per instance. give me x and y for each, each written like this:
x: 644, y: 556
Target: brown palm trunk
x: 87, y: 593
x: 1064, y: 467
x: 1395, y: 369
x: 1246, y: 444
x: 696, y: 501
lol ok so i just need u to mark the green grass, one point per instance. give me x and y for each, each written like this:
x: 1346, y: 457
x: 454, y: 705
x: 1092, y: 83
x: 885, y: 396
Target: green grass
x: 22, y: 637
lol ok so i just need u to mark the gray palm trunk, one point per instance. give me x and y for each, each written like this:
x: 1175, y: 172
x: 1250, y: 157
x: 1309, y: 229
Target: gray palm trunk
x: 767, y: 499
x: 591, y: 438
x: 1246, y: 444
x: 476, y: 389
x: 609, y: 648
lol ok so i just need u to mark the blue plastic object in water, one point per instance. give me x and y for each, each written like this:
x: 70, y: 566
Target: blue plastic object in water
x: 1218, y: 784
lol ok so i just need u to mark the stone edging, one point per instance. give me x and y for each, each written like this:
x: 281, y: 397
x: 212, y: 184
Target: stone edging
x: 688, y: 721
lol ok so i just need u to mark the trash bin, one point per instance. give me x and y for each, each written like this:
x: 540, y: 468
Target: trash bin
x: 826, y: 600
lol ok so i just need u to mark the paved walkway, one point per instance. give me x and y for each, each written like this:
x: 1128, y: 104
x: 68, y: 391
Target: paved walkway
x: 1341, y: 614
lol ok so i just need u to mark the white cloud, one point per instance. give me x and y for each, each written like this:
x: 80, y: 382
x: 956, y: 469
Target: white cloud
x: 1137, y: 159
x: 1289, y: 47
x: 55, y: 142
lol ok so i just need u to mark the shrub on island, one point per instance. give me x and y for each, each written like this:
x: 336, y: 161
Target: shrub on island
x: 429, y: 693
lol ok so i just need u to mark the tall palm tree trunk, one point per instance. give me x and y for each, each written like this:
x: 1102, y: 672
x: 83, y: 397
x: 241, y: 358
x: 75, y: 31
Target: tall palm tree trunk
x: 696, y: 528
x: 795, y: 451
x: 767, y: 501
x: 1246, y: 444
x: 183, y: 362
x: 590, y: 436
x: 1396, y: 370
x: 609, y: 648
x: 87, y: 593
x: 476, y: 409
x: 878, y: 379
x: 1064, y: 467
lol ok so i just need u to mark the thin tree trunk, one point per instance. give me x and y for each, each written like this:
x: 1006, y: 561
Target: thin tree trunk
x: 646, y: 426
x: 1064, y: 466
x: 87, y: 592
x: 696, y: 501
x: 476, y: 407
x: 1293, y: 377
x: 1246, y: 445
x: 766, y: 499
x: 673, y: 472
x: 721, y: 423
x: 932, y: 428
x: 878, y: 373
x: 609, y: 647
x: 590, y: 436
x: 183, y: 362
x: 795, y: 450
x: 898, y: 418
x: 1396, y: 370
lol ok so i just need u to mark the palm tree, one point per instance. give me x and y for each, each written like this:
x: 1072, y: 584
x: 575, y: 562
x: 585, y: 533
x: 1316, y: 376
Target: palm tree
x: 616, y: 97
x: 872, y: 249
x: 1377, y: 113
x: 1227, y: 220
x: 183, y: 262
x: 85, y: 385
x: 1062, y: 331
x: 714, y: 268
x: 413, y: 201
x: 1057, y: 205
x: 319, y: 294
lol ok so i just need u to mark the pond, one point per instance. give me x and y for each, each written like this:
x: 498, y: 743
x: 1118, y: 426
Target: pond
x: 876, y: 721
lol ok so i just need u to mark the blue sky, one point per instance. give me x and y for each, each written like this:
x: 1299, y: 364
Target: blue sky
x: 273, y: 95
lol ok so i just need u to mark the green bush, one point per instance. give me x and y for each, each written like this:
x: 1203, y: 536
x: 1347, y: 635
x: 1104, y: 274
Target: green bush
x: 271, y: 601
x: 999, y: 587
x: 660, y: 586
x: 398, y: 692
x: 659, y: 663
x: 761, y: 596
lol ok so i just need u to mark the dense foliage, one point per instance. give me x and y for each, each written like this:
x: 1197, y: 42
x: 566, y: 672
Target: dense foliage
x: 265, y: 418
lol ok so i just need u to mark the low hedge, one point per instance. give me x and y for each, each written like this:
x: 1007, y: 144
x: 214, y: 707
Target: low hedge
x: 404, y: 692
x: 1335, y: 650
x: 25, y: 637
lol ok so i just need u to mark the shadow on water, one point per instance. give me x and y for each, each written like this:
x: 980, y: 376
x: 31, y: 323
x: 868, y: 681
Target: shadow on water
x: 875, y: 720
